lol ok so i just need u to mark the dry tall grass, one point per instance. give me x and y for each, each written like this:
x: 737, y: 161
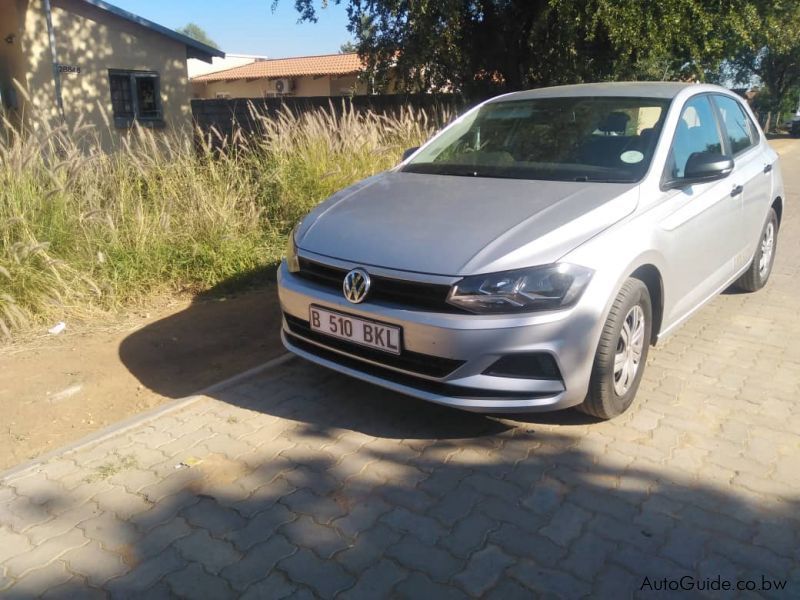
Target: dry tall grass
x: 81, y: 230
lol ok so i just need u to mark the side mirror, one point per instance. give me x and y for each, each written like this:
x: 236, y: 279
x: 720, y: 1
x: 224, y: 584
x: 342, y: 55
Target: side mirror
x: 702, y: 167
x: 409, y: 152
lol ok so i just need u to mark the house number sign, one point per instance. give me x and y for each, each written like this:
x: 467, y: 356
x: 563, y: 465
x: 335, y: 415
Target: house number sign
x: 69, y: 69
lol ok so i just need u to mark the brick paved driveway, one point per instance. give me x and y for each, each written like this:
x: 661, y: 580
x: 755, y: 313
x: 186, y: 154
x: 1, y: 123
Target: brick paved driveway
x: 301, y: 482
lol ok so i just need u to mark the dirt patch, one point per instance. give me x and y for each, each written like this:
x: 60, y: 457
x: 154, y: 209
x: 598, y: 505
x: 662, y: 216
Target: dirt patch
x: 57, y: 389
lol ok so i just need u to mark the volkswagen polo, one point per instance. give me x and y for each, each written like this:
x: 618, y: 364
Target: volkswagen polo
x: 528, y: 255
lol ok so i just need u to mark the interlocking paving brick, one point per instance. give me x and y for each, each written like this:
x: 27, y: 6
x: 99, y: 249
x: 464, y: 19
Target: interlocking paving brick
x: 217, y: 519
x: 484, y: 569
x: 44, y: 553
x: 549, y: 581
x: 415, y: 555
x: 94, y: 563
x: 376, y: 581
x: 468, y: 535
x: 323, y: 509
x: 111, y: 532
x: 274, y: 586
x: 213, y: 554
x: 325, y: 577
x: 13, y: 544
x: 38, y: 581
x: 305, y: 532
x: 566, y: 523
x: 158, y: 539
x: 418, y: 585
x: 260, y: 528
x: 194, y: 582
x: 368, y: 548
x: 145, y: 575
x: 361, y: 516
x: 424, y: 528
x: 258, y: 562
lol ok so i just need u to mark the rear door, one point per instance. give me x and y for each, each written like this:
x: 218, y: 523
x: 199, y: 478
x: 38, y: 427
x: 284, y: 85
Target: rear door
x: 752, y: 172
x: 703, y: 224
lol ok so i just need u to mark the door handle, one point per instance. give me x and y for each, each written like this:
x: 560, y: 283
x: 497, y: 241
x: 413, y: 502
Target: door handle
x: 767, y: 168
x: 737, y: 189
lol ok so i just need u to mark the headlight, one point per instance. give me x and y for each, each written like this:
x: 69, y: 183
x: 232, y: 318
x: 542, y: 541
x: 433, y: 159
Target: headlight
x: 292, y: 262
x: 522, y: 290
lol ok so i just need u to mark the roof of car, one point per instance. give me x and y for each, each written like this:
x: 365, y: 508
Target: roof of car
x: 643, y: 89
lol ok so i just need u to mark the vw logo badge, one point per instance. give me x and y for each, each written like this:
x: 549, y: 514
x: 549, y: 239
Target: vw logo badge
x: 356, y: 285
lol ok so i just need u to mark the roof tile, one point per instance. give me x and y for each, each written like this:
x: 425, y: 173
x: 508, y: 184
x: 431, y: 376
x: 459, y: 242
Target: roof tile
x: 328, y: 64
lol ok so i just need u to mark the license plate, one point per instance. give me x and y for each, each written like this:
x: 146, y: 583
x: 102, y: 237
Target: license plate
x: 353, y: 329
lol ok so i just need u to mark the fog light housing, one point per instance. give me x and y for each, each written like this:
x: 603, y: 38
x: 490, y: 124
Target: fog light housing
x: 525, y: 365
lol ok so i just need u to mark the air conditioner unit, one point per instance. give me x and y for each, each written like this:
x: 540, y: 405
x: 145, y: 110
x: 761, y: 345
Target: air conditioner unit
x: 283, y: 86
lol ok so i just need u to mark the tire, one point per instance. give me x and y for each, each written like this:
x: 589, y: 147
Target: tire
x: 611, y: 393
x: 758, y: 272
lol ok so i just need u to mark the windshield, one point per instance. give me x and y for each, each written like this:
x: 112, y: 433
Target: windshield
x: 566, y: 139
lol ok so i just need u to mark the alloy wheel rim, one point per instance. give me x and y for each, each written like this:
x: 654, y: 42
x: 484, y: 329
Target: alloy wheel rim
x: 767, y: 248
x: 630, y: 346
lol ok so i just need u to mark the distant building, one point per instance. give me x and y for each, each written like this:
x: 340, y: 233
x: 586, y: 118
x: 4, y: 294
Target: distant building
x: 89, y: 60
x: 301, y: 76
x: 199, y: 67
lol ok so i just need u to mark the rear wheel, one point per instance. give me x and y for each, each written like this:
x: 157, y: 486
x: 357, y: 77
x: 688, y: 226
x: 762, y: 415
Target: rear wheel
x: 621, y: 354
x: 759, y: 271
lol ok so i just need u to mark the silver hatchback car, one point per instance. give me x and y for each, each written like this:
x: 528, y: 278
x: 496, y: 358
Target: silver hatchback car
x: 527, y: 256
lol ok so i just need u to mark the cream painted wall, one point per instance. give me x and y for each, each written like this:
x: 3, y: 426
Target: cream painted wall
x: 12, y: 59
x: 304, y: 87
x: 96, y: 41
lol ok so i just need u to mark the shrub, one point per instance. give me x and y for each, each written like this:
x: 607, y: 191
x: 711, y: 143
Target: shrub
x: 81, y: 230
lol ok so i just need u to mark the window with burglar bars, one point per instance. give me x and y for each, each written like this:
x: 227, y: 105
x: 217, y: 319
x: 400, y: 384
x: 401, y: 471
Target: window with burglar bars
x: 136, y: 96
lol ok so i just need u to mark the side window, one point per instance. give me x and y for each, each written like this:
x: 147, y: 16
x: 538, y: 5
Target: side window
x: 740, y: 130
x: 697, y: 132
x: 135, y: 95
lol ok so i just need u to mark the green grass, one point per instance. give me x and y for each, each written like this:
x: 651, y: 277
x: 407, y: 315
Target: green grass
x: 82, y: 231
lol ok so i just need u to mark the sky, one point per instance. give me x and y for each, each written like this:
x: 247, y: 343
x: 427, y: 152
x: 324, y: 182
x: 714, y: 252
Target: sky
x: 250, y: 26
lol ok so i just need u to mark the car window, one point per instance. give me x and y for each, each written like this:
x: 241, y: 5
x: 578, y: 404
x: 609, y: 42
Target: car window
x: 696, y: 132
x: 738, y: 127
x: 602, y: 138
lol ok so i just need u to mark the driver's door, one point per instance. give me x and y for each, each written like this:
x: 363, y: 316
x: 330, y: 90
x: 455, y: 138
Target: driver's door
x: 701, y: 226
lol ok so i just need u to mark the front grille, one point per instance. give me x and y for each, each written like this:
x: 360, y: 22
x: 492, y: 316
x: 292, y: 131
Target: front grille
x: 424, y: 385
x: 424, y: 364
x: 408, y: 294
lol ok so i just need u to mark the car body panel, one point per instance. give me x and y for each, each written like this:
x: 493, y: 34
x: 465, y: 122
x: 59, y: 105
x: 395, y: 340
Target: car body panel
x: 471, y: 225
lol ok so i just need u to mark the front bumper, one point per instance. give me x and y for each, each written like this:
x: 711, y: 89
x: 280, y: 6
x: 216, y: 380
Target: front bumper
x: 472, y: 343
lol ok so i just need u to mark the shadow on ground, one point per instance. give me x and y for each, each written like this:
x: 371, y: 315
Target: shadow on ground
x: 341, y: 486
x: 226, y: 330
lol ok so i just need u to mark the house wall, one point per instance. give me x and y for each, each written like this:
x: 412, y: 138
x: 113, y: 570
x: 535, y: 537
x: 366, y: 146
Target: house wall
x: 96, y: 41
x: 12, y: 59
x: 304, y: 87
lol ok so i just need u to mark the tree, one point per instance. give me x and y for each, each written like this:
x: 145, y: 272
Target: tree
x: 348, y: 47
x: 774, y: 59
x: 194, y: 31
x: 481, y: 47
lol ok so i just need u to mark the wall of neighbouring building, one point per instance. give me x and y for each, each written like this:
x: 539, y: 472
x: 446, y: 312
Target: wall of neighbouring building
x: 96, y: 41
x: 304, y: 87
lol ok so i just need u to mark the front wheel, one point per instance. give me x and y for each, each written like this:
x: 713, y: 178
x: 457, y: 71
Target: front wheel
x: 758, y: 273
x: 621, y: 354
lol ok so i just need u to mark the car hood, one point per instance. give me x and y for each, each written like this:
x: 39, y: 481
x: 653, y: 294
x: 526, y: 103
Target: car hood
x: 448, y: 225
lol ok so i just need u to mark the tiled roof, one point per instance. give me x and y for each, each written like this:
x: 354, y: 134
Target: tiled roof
x: 327, y: 64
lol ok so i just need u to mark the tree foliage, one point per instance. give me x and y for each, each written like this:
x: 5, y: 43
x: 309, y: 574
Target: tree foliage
x: 774, y: 59
x: 480, y: 47
x: 194, y: 31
